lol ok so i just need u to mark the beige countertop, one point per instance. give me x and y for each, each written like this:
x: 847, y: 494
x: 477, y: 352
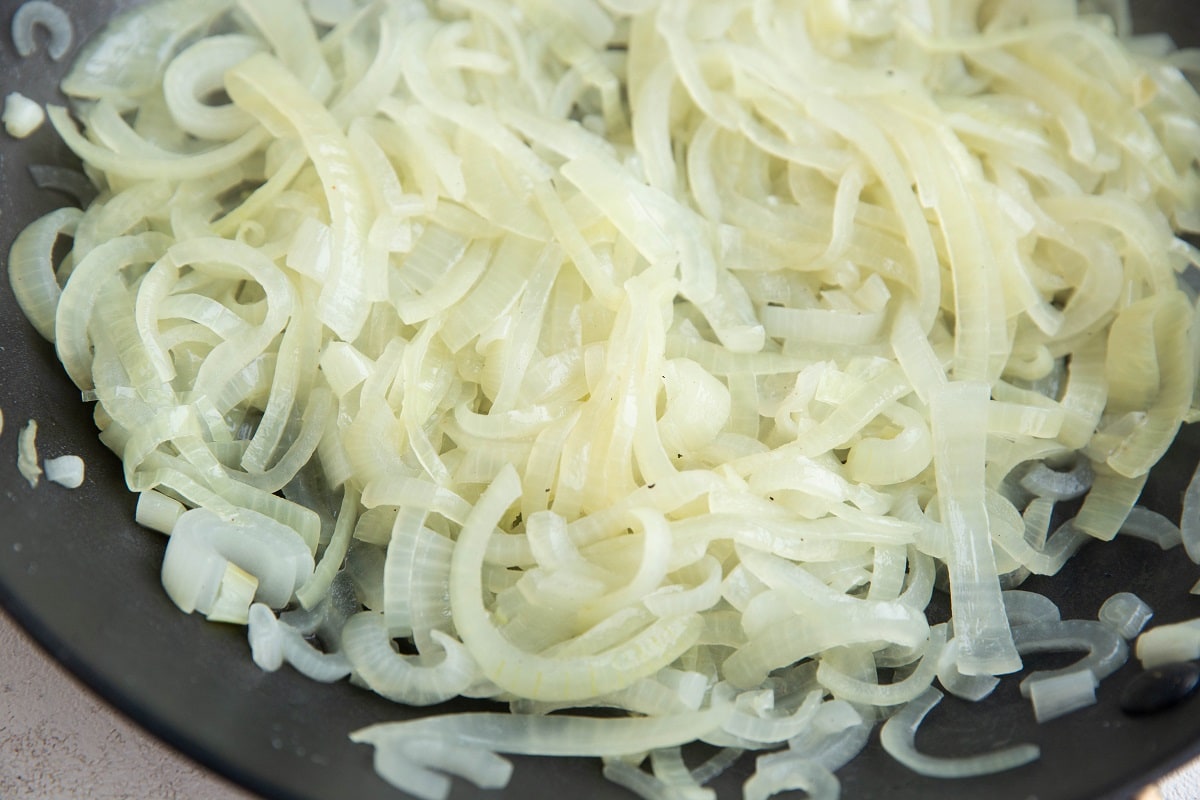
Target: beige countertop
x: 59, y: 741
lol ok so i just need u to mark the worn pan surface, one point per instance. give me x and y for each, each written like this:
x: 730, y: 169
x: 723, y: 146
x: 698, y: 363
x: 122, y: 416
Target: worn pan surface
x: 83, y: 580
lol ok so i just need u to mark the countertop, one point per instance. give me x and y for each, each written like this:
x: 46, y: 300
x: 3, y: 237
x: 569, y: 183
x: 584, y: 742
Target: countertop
x: 58, y: 741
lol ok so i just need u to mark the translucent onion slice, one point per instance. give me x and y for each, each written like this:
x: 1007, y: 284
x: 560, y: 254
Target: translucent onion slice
x: 716, y: 765
x: 668, y: 766
x: 171, y: 166
x: 1126, y: 613
x: 416, y: 578
x: 537, y: 676
x: 1055, y: 696
x: 199, y: 71
x: 898, y: 733
x: 1044, y: 481
x: 317, y: 588
x: 202, y: 544
x: 1189, y: 519
x: 129, y: 57
x: 415, y: 680
x: 1165, y: 644
x: 261, y: 85
x: 764, y: 727
x: 846, y: 687
x: 968, y: 687
x: 558, y: 734
x: 650, y: 787
x: 829, y: 745
x: 274, y: 642
x: 416, y: 765
x: 1024, y: 608
x: 787, y: 773
x: 157, y: 511
x: 31, y: 267
x: 1142, y: 523
x: 986, y: 644
x: 33, y: 14
x: 1106, y: 650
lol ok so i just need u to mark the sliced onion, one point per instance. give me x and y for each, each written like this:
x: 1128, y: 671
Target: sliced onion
x: 782, y: 774
x: 1189, y: 520
x: 1165, y: 644
x: 986, y: 644
x: 129, y: 57
x: 419, y: 681
x: 33, y: 14
x: 833, y: 750
x: 265, y: 636
x: 968, y: 687
x: 669, y: 768
x: 1044, y: 481
x: 755, y: 729
x: 1126, y: 613
x: 200, y: 70
x: 411, y: 764
x: 317, y: 588
x: 716, y: 765
x: 1142, y: 523
x: 690, y: 447
x: 846, y: 687
x: 274, y: 641
x: 1058, y: 695
x: 1106, y: 650
x: 650, y: 787
x: 1024, y: 608
x: 899, y: 731
x: 552, y: 735
x: 31, y: 267
x: 537, y: 676
x: 202, y: 544
x: 157, y: 511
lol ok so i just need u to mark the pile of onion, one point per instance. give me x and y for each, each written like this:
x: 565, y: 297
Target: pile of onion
x: 637, y: 354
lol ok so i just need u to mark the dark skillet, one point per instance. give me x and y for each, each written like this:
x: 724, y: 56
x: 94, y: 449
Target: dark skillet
x: 83, y: 580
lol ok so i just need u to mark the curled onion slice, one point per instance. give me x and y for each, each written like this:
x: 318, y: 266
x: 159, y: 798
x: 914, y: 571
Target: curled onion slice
x: 33, y: 14
x: 899, y: 731
x: 203, y: 545
x: 1106, y: 650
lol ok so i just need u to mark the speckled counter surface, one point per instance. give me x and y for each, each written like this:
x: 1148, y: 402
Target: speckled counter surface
x: 59, y: 741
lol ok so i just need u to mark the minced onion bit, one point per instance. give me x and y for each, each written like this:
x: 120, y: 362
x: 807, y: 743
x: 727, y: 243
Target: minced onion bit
x: 21, y: 116
x: 27, y: 454
x: 646, y: 354
x: 65, y: 471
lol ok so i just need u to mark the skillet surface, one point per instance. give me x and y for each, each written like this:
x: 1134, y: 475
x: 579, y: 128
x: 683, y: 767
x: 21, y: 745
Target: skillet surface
x: 82, y: 578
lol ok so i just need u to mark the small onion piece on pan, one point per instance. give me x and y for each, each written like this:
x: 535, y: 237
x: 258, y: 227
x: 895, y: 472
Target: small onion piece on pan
x: 899, y: 731
x: 34, y: 14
